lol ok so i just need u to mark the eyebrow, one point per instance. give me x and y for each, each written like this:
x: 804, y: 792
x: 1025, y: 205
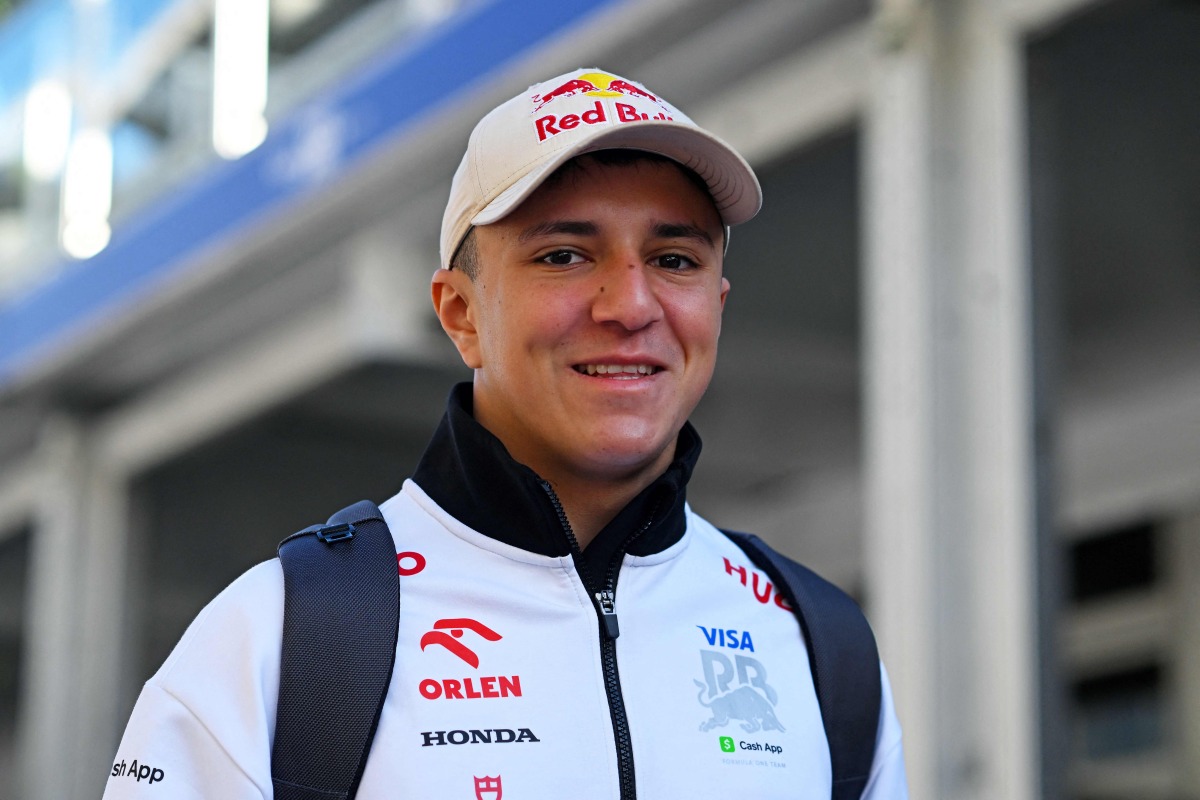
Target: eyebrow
x: 561, y: 226
x: 674, y: 230
x: 663, y: 230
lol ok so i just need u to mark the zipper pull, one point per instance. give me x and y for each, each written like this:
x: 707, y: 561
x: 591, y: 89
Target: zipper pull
x: 606, y: 602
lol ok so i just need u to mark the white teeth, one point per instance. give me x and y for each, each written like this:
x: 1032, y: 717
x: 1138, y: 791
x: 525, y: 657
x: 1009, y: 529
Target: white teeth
x: 615, y: 369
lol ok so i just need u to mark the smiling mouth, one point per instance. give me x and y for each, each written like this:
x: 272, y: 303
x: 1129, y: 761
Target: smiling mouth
x: 617, y: 370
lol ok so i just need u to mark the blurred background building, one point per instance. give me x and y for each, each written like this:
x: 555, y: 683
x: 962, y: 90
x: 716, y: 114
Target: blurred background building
x: 961, y: 358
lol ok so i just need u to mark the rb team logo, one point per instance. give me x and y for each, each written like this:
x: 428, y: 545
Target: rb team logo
x: 751, y: 702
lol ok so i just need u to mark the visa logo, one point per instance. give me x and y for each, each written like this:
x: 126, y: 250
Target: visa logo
x: 727, y: 637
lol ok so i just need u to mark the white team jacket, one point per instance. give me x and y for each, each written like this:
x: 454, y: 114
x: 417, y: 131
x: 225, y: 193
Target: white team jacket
x: 500, y: 686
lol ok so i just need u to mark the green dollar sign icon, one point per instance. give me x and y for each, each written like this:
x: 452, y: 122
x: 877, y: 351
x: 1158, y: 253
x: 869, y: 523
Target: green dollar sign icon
x: 727, y: 744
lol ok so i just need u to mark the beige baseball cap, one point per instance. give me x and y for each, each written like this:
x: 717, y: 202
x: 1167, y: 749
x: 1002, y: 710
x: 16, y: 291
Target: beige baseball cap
x: 523, y: 141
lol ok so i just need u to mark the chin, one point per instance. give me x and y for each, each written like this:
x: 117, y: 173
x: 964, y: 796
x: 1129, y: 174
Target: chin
x: 630, y: 453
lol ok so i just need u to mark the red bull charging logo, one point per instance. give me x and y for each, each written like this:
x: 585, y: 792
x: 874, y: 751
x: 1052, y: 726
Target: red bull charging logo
x: 598, y: 85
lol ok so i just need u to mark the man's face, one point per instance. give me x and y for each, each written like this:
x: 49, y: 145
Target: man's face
x: 592, y: 324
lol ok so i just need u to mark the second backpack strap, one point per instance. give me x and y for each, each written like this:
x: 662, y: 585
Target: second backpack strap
x: 844, y: 661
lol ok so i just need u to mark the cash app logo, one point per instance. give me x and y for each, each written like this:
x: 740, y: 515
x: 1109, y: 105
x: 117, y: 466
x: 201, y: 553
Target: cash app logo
x: 727, y: 744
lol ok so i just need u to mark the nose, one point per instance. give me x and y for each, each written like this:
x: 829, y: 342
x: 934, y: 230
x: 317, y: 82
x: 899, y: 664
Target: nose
x: 626, y: 296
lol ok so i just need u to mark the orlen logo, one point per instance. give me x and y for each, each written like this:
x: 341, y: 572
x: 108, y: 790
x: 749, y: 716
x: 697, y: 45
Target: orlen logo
x: 450, y: 641
x: 446, y: 633
x: 599, y: 85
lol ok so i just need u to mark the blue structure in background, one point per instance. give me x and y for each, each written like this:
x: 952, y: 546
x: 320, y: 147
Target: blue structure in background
x: 37, y: 39
x: 372, y: 107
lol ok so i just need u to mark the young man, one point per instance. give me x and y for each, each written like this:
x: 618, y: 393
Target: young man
x: 569, y: 628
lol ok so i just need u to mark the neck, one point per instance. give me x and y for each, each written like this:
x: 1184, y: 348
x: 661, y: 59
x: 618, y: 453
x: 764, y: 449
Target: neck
x: 590, y: 504
x: 470, y: 474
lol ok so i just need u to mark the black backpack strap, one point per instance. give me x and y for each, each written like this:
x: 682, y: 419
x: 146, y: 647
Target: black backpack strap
x: 843, y: 657
x: 340, y: 617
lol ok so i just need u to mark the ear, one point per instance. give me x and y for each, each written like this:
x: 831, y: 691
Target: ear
x: 454, y: 303
x: 724, y: 291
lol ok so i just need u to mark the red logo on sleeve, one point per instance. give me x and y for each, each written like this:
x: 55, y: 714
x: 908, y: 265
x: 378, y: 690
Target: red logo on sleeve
x: 409, y: 562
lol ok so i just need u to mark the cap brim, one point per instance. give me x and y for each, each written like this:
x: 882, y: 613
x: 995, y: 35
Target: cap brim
x: 731, y: 182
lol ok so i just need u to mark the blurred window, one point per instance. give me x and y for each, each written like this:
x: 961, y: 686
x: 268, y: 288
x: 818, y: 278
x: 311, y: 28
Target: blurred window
x: 1113, y: 562
x: 1119, y: 714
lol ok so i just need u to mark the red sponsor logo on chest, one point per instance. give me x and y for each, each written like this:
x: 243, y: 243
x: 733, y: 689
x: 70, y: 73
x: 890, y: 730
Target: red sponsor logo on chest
x: 764, y: 591
x: 446, y: 634
x: 477, y: 688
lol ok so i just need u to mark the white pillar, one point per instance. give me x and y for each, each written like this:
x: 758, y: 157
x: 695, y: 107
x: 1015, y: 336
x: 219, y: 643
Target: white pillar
x: 78, y: 659
x: 111, y: 567
x: 950, y: 526
x: 52, y: 695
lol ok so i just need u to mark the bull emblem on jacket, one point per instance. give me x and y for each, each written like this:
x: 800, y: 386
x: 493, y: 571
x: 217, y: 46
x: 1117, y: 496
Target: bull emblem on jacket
x: 751, y: 702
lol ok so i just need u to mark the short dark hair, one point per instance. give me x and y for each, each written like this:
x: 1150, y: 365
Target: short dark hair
x: 466, y: 257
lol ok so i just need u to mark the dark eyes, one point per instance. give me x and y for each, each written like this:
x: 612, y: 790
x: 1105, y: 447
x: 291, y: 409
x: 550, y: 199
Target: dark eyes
x: 668, y: 261
x: 562, y: 258
x: 675, y: 261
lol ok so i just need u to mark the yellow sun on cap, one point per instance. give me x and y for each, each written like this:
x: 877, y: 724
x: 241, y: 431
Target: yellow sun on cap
x: 600, y: 80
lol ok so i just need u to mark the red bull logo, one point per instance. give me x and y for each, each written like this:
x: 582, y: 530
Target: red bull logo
x: 599, y: 85
x: 594, y: 84
x: 568, y: 89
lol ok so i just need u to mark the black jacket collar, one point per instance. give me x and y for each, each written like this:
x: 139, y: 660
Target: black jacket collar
x: 469, y: 473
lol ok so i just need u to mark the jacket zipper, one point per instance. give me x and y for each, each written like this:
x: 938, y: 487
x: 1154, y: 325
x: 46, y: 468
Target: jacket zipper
x: 605, y: 602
